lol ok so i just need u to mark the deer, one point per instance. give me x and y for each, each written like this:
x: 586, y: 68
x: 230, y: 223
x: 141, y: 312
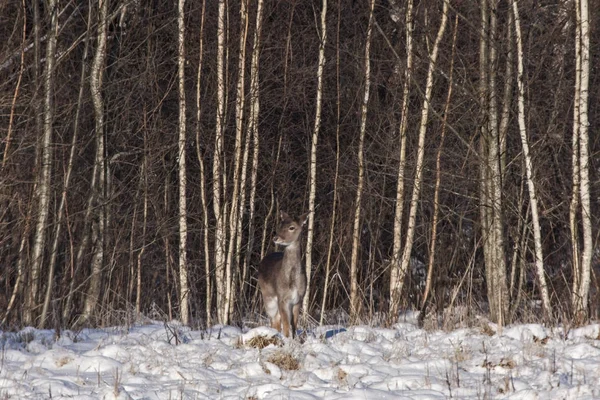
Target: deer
x: 281, y: 278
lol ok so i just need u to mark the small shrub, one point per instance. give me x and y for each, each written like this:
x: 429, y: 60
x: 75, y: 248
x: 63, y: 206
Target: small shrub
x: 284, y: 360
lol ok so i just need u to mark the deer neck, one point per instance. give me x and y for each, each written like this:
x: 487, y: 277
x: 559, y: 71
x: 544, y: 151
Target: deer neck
x: 291, y: 257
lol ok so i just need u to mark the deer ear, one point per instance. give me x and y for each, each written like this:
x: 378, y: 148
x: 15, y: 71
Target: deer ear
x: 303, y: 218
x: 283, y: 215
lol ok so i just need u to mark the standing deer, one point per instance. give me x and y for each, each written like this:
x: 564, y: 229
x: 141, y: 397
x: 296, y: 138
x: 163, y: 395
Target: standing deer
x: 281, y: 278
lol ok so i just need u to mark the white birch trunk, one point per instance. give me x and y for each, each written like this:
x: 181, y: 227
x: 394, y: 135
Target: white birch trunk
x: 355, y: 299
x: 412, y: 216
x: 253, y: 128
x: 43, y: 187
x: 335, y: 175
x: 396, y: 276
x: 96, y: 77
x: 537, y: 235
x: 218, y: 171
x: 581, y: 305
x: 183, y: 268
x: 203, y: 198
x: 313, y: 157
x: 574, y: 206
x: 239, y: 164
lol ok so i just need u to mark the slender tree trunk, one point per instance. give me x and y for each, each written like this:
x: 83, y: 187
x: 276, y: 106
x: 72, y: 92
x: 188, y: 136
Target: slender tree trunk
x: 396, y: 275
x: 490, y: 173
x: 43, y: 187
x: 98, y: 223
x: 537, y: 235
x: 337, y: 168
x: 253, y: 129
x: 355, y: 299
x: 184, y: 290
x: 313, y: 156
x: 203, y: 197
x: 414, y: 202
x: 63, y: 199
x: 580, y: 303
x: 218, y: 174
x: 575, y: 195
x: 438, y: 178
x: 240, y: 163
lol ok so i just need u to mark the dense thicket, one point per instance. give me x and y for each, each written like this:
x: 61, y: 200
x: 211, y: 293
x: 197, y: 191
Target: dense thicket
x: 138, y: 196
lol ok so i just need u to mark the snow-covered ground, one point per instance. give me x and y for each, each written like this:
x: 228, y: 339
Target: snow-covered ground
x: 145, y: 362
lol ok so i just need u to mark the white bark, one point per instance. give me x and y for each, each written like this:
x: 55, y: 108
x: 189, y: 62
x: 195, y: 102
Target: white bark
x: 581, y: 302
x: 335, y: 174
x: 97, y: 73
x: 313, y: 156
x: 355, y: 299
x: 414, y: 202
x: 218, y: 171
x: 575, y: 195
x: 43, y: 187
x: 203, y: 198
x: 537, y: 235
x: 396, y: 276
x: 67, y: 180
x: 240, y: 163
x: 253, y: 128
x: 183, y: 268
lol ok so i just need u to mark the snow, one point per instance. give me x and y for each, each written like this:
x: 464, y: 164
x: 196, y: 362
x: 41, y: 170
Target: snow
x: 158, y: 361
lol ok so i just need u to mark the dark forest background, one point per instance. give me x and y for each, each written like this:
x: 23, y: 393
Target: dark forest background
x: 124, y: 205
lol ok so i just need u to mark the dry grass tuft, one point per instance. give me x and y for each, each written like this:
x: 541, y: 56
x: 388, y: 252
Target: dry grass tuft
x: 284, y: 360
x: 260, y: 342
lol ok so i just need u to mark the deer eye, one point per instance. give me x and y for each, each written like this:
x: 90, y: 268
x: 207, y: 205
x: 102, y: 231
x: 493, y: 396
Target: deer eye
x: 291, y: 228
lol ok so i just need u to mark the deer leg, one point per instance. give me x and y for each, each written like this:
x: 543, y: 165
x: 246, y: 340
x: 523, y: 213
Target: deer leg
x: 285, y: 311
x: 295, y: 313
x: 276, y: 322
x: 272, y: 309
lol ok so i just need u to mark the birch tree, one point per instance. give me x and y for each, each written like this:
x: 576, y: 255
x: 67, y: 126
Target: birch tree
x: 355, y: 299
x: 535, y: 219
x: 42, y: 191
x: 412, y: 216
x: 336, y: 172
x: 581, y: 183
x: 313, y: 156
x: 396, y: 273
x: 240, y: 163
x: 183, y: 268
x: 490, y: 174
x: 199, y: 155
x: 67, y: 179
x: 217, y: 170
x: 253, y: 128
x: 98, y: 181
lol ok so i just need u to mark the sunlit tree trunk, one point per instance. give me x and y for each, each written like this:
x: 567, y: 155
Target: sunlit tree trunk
x: 217, y: 181
x: 355, y: 297
x: 67, y: 180
x: 336, y: 173
x: 42, y: 192
x: 96, y: 76
x: 490, y: 174
x: 253, y: 129
x: 396, y: 274
x: 240, y: 163
x: 184, y: 290
x: 537, y: 235
x: 438, y: 178
x: 313, y: 156
x: 581, y: 183
x: 414, y: 202
x: 199, y: 155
